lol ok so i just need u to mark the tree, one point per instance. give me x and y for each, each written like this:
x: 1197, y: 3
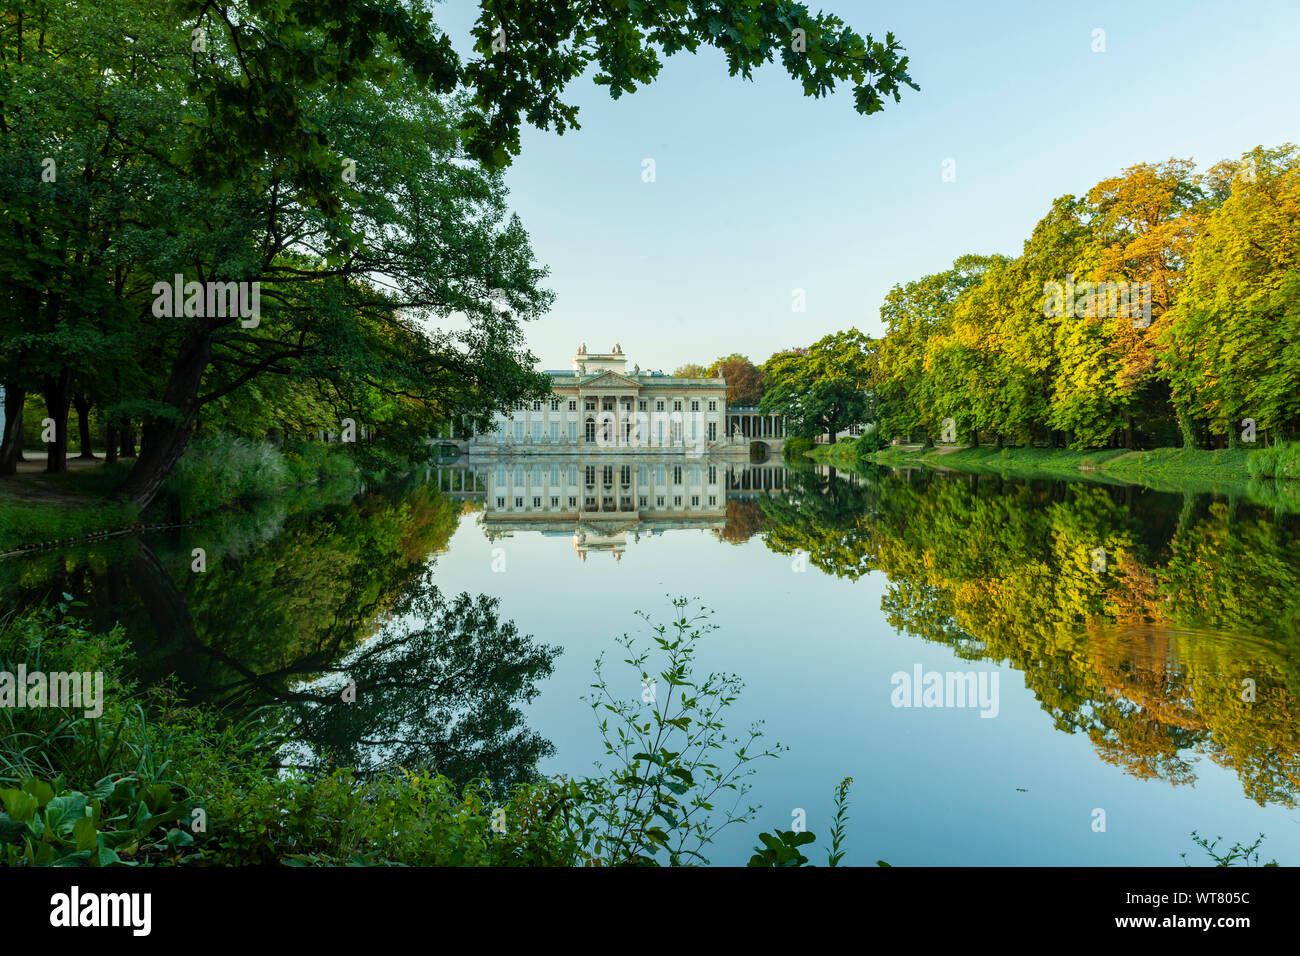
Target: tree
x: 691, y: 370
x: 74, y: 182
x: 1232, y: 335
x: 1141, y: 228
x: 744, y: 379
x: 827, y: 390
x: 912, y: 313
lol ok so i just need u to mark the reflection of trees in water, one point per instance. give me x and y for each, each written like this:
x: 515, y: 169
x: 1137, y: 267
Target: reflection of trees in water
x: 440, y: 683
x: 744, y: 520
x: 1147, y: 657
x: 826, y: 516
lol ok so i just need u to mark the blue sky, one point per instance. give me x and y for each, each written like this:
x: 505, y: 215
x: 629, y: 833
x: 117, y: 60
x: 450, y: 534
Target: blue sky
x: 760, y: 191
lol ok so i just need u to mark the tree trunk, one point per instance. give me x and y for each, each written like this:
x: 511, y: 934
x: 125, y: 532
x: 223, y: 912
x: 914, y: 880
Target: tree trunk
x: 83, y: 425
x: 1186, y: 426
x: 126, y: 441
x: 11, y: 443
x: 164, y: 439
x: 57, y: 399
x: 110, y: 444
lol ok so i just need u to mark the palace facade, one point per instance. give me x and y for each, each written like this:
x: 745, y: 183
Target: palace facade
x: 598, y: 405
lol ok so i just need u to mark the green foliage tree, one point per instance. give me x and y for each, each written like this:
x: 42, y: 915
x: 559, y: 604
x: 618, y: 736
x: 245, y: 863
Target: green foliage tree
x: 826, y: 390
x: 1232, y: 336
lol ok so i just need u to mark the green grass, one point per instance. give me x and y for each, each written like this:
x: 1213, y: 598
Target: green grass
x: 26, y: 522
x: 1236, y: 472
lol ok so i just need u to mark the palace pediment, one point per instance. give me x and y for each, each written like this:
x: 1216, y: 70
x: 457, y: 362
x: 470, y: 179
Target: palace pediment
x: 609, y: 379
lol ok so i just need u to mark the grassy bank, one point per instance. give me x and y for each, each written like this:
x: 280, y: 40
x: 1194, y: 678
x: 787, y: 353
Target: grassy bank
x: 215, y: 474
x: 1248, y: 473
x: 39, y: 508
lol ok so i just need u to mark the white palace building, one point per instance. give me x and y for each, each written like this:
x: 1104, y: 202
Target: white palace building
x: 599, y: 406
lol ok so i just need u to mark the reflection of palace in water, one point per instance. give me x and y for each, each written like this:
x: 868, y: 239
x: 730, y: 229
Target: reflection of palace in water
x: 602, y: 501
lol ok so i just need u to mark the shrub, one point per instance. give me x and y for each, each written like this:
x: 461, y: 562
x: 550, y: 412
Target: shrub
x: 222, y: 470
x: 797, y: 447
x: 1277, y: 461
x: 870, y: 443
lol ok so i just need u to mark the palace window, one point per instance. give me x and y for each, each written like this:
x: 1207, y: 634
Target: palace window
x: 713, y: 431
x: 589, y: 405
x: 695, y: 406
x: 573, y: 404
x: 555, y: 431
x: 659, y: 501
x: 713, y: 474
x: 607, y: 403
x: 537, y: 406
x: 713, y: 406
x: 573, y: 501
x: 713, y: 500
x: 591, y: 474
x: 659, y: 405
x: 607, y: 473
x: 519, y: 431
x: 625, y: 475
x: 695, y: 501
x: 677, y: 474
x: 677, y: 501
x: 573, y: 474
x: 555, y: 404
x: 555, y: 501
x: 641, y: 501
x: 677, y: 404
x: 501, y: 502
x: 519, y: 501
x: 591, y: 429
x: 641, y: 404
x: 537, y: 502
x: 573, y: 431
x: 519, y: 474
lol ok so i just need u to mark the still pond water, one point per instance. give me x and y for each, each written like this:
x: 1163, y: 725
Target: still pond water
x: 1117, y: 634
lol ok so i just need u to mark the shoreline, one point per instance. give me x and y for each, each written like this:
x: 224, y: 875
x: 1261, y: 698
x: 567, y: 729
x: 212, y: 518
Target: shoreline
x: 1173, y: 470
